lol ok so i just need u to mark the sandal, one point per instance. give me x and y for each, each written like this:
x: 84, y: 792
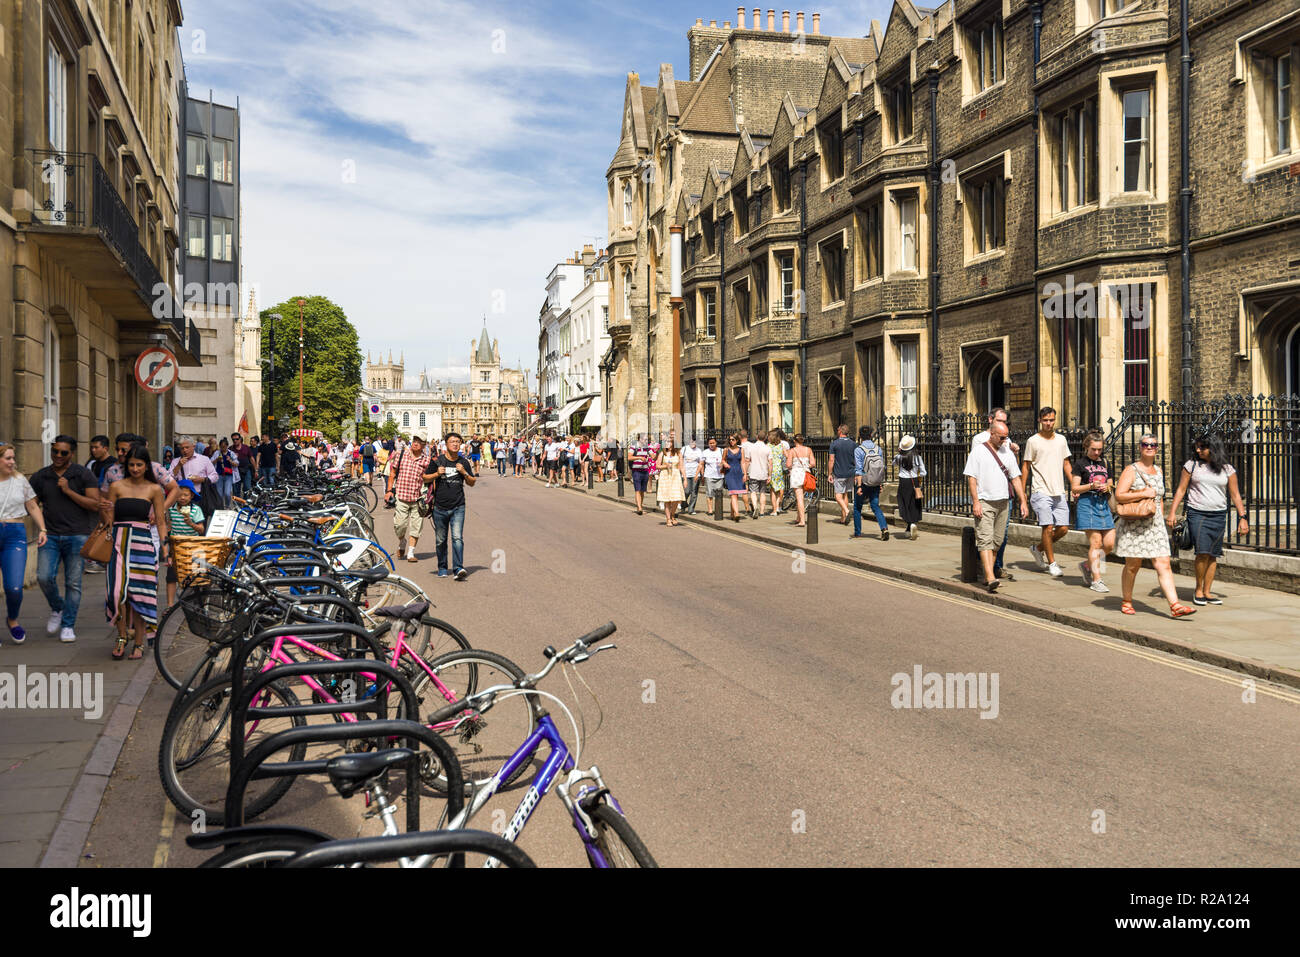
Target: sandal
x: 136, y: 653
x: 1127, y: 608
x: 1179, y: 610
x: 119, y: 649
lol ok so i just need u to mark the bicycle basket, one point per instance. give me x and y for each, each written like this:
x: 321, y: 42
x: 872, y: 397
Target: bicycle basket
x: 214, y: 614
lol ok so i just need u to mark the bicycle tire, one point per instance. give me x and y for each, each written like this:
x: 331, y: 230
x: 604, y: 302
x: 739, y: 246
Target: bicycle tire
x: 436, y: 638
x: 268, y: 852
x: 176, y: 649
x: 210, y: 782
x: 477, y: 767
x: 371, y: 498
x: 617, y: 840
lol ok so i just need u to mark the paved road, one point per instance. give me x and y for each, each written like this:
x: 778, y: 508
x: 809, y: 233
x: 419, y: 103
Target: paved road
x: 771, y: 738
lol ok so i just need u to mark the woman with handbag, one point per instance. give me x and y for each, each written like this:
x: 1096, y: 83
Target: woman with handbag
x: 132, y: 587
x: 1208, y: 482
x: 800, y: 459
x: 671, y: 491
x: 17, y: 501
x: 910, y: 472
x: 1140, y: 534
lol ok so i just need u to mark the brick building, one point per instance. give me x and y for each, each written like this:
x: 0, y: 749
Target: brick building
x: 981, y: 206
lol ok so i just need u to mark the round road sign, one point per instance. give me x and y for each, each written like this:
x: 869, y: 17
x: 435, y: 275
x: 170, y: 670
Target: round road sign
x: 374, y: 408
x: 156, y: 370
x: 302, y: 408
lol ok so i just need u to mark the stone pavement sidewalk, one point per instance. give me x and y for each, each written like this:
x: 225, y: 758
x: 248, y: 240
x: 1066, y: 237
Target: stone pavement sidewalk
x: 1255, y: 631
x: 56, y: 761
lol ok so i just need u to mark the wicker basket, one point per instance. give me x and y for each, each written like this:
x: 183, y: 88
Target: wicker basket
x: 187, y: 549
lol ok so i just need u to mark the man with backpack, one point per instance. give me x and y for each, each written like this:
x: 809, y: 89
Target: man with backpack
x: 368, y: 461
x: 868, y: 476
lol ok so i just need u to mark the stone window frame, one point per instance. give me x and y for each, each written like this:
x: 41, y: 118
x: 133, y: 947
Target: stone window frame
x: 825, y: 179
x: 842, y: 235
x: 1052, y: 203
x: 777, y: 302
x: 900, y: 79
x: 744, y: 318
x: 966, y: 50
x: 1110, y: 134
x: 1089, y: 13
x: 893, y: 229
x: 1277, y: 37
x: 739, y: 197
x: 862, y: 272
x: 996, y: 168
x: 973, y: 349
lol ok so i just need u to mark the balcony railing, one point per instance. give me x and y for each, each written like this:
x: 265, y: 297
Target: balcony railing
x: 72, y: 189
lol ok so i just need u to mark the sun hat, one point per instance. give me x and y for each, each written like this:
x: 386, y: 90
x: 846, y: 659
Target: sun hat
x: 186, y: 483
x: 908, y: 443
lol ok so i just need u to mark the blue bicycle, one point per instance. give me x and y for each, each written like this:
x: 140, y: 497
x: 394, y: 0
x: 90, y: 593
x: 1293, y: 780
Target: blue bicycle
x: 456, y: 693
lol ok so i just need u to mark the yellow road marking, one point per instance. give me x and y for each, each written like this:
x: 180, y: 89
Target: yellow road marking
x: 1114, y: 644
x: 164, y: 847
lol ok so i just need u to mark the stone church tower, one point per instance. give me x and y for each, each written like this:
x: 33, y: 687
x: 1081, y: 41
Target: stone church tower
x: 385, y: 375
x: 485, y: 363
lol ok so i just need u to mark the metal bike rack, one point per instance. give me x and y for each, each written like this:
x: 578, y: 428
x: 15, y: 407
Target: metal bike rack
x: 364, y: 850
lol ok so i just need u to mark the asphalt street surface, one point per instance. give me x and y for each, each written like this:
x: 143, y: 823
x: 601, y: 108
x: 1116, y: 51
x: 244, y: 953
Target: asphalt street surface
x: 749, y: 713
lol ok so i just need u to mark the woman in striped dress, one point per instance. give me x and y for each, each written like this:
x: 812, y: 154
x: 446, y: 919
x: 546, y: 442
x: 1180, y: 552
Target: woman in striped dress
x: 132, y: 586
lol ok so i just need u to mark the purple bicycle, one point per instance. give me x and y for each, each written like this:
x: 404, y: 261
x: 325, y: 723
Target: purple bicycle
x: 606, y: 835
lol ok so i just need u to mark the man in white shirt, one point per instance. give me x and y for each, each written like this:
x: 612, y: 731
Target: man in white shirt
x: 997, y: 414
x: 711, y: 465
x: 691, y: 458
x: 553, y: 449
x: 757, y: 465
x: 1047, y: 459
x: 992, y: 475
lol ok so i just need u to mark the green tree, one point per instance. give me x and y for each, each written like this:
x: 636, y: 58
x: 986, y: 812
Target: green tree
x: 331, y: 363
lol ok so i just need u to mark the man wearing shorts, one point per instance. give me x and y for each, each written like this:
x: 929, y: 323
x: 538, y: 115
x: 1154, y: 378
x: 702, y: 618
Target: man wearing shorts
x: 842, y: 450
x: 554, y: 449
x: 1047, y: 459
x: 992, y: 477
x: 711, y: 463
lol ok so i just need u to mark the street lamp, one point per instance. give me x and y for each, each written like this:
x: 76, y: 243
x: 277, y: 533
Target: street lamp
x: 270, y: 414
x: 301, y: 405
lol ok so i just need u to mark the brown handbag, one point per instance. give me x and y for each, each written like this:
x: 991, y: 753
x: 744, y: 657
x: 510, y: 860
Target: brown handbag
x: 99, y: 546
x: 1143, y: 508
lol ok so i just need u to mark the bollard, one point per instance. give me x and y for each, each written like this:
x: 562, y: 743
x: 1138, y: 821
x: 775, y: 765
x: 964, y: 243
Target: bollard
x: 620, y: 477
x: 717, y: 507
x: 811, y: 519
x: 591, y: 477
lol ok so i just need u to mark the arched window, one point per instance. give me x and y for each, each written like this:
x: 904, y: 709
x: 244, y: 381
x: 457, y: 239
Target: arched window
x: 390, y: 417
x: 406, y: 420
x: 52, y: 365
x: 422, y: 423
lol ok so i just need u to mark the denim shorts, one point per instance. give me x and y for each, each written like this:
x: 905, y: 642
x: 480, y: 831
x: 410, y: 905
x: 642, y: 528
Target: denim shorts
x: 640, y: 480
x: 1050, y: 509
x: 1092, y: 513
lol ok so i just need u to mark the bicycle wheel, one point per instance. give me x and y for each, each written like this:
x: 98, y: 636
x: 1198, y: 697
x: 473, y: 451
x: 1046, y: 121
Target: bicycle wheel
x: 268, y: 852
x: 435, y: 638
x: 482, y: 741
x: 371, y: 498
x: 177, y: 649
x: 194, y: 756
x: 618, y: 843
x: 393, y: 590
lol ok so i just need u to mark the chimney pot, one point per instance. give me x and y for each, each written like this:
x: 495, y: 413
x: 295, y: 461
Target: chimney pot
x: 758, y: 19
x: 798, y: 19
x: 740, y: 18
x: 713, y: 23
x: 771, y: 20
x: 785, y: 21
x: 726, y: 24
x: 817, y: 23
x: 699, y: 21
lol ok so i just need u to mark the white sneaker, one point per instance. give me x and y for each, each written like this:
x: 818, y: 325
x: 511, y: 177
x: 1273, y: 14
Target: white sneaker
x: 67, y: 634
x: 56, y: 619
x: 1086, y: 570
x: 410, y: 554
x: 1055, y: 570
x: 1099, y: 586
x: 1038, y: 556
x: 912, y: 532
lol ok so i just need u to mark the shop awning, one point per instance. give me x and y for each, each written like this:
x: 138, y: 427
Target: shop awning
x: 593, y: 418
x: 572, y: 406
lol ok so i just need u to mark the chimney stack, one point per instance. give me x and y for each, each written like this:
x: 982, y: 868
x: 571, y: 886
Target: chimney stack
x: 758, y: 19
x: 740, y: 18
x: 713, y: 23
x: 726, y: 24
x: 798, y: 22
x: 785, y: 21
x: 817, y: 23
x: 699, y: 21
x: 771, y: 20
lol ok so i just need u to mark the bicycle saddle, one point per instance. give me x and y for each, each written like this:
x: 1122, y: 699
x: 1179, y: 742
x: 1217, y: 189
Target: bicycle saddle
x: 350, y: 772
x: 368, y: 575
x: 412, y: 612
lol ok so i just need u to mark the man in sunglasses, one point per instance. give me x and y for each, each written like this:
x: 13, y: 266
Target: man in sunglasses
x: 69, y: 497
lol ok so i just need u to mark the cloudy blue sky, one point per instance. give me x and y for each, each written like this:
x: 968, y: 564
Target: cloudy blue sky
x: 424, y: 163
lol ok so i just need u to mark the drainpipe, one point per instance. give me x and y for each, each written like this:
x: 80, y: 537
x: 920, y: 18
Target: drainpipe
x: 803, y: 295
x: 1037, y: 9
x: 721, y: 227
x: 933, y: 74
x: 1185, y: 199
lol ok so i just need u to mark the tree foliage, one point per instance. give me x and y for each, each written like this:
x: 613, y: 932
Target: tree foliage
x: 331, y: 364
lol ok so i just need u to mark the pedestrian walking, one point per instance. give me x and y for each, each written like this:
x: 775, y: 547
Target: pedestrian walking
x: 368, y: 458
x: 776, y: 449
x: 69, y: 498
x: 758, y: 470
x: 993, y: 476
x: 710, y: 470
x: 1140, y: 533
x: 693, y: 475
x: 101, y: 459
x: 449, y: 473
x: 226, y: 464
x: 266, y: 461
x: 502, y: 454
x: 406, y: 491
x: 184, y: 517
x: 1046, y: 473
x: 842, y: 470
x: 800, y: 459
x: 246, y: 456
x: 734, y: 478
x: 1207, y: 482
x: 671, y: 488
x: 1092, y: 484
x: 868, y: 477
x: 17, y: 501
x: 997, y: 414
x: 911, y: 473
x: 289, y: 457
x: 640, y: 458
x: 138, y: 502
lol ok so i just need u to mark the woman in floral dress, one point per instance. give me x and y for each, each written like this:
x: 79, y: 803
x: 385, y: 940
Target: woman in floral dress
x: 776, y: 481
x: 1137, y: 539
